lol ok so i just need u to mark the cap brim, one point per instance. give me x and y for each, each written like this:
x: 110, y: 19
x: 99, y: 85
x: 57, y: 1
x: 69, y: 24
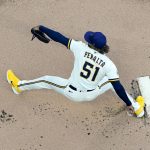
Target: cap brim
x: 87, y: 36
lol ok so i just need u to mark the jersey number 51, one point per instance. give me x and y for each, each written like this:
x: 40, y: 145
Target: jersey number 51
x: 89, y: 71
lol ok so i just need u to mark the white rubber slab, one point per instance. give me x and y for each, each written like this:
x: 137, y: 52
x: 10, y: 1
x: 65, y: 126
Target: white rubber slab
x: 144, y: 85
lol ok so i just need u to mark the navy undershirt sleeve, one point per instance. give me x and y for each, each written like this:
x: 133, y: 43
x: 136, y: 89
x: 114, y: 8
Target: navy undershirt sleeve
x: 121, y: 92
x: 54, y: 35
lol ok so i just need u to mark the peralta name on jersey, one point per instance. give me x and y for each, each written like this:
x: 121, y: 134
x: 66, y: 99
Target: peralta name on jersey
x: 95, y: 59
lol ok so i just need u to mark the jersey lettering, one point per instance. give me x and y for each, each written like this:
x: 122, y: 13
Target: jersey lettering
x: 94, y: 58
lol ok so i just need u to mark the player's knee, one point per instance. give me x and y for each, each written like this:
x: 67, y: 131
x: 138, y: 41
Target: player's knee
x: 46, y: 77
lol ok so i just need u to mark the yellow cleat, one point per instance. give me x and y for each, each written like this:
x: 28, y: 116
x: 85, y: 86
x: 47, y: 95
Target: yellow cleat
x: 13, y: 81
x: 140, y: 112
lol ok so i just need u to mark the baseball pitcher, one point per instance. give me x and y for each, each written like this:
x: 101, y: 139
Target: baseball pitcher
x: 93, y: 72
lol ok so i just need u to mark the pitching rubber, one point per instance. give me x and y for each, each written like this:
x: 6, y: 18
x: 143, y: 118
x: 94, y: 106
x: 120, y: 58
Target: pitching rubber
x: 144, y: 85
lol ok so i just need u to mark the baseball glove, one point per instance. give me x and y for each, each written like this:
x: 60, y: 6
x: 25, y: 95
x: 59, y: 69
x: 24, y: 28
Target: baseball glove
x: 39, y: 34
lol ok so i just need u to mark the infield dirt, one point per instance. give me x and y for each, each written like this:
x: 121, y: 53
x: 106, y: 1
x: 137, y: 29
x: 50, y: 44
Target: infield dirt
x: 45, y: 120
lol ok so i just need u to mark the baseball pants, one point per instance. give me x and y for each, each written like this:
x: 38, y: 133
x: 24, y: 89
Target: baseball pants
x: 61, y: 86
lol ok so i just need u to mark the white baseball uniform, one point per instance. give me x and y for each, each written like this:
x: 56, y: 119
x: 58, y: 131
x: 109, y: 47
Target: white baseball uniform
x: 90, y: 77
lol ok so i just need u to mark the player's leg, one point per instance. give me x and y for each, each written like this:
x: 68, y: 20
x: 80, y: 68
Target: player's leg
x: 105, y: 85
x: 46, y: 82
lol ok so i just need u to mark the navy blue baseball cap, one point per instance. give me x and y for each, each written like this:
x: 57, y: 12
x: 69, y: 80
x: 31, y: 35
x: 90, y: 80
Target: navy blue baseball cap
x: 97, y: 39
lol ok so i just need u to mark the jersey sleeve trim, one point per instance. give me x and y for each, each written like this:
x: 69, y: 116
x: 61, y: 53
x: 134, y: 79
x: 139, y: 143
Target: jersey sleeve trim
x: 112, y: 80
x: 69, y: 43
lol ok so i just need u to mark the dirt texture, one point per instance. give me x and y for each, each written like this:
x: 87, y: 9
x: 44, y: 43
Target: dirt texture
x: 44, y: 119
